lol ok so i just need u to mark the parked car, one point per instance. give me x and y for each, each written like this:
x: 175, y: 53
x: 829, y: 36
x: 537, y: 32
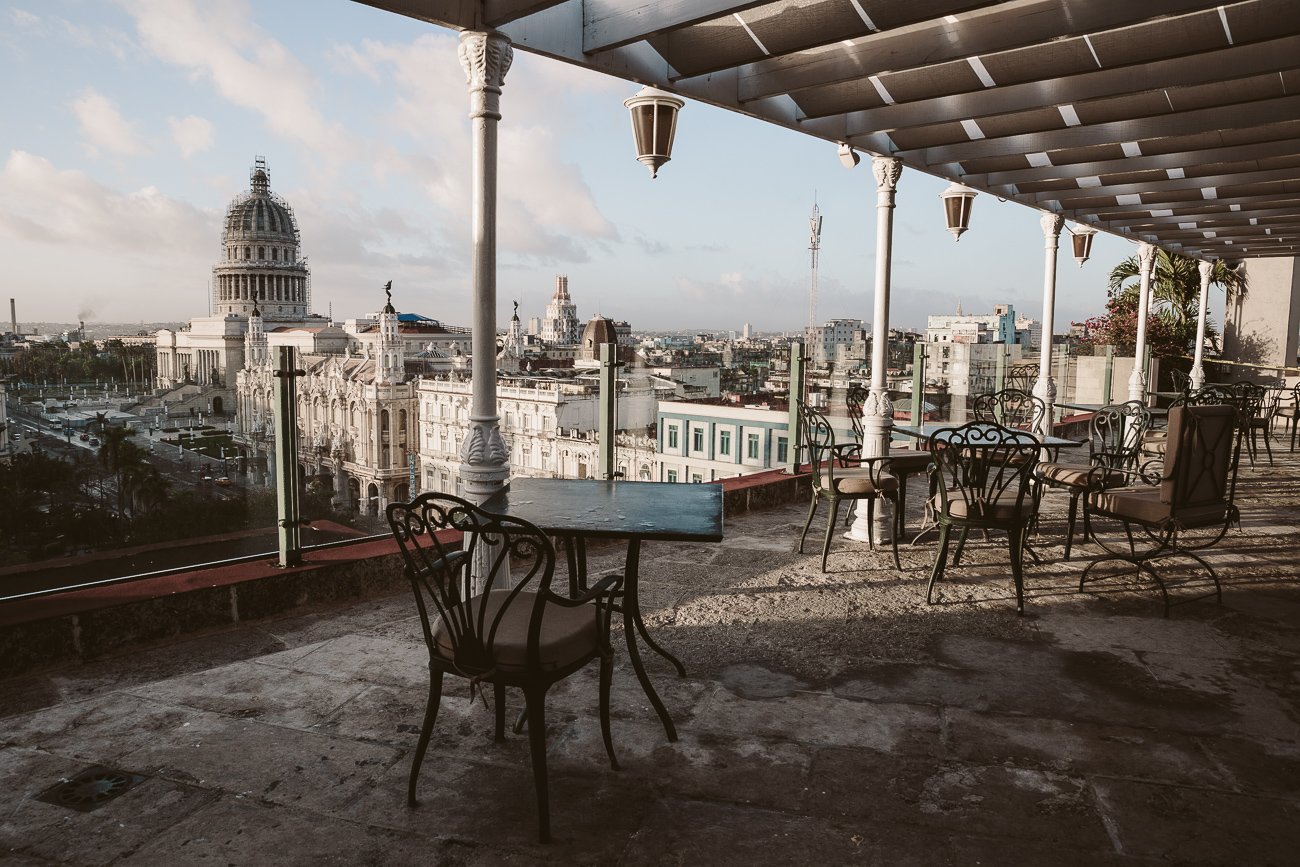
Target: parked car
x: 224, y: 481
x: 84, y: 437
x: 94, y: 441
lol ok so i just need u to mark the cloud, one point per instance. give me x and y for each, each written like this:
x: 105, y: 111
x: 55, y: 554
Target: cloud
x: 68, y: 209
x: 104, y: 127
x: 248, y: 67
x: 192, y: 134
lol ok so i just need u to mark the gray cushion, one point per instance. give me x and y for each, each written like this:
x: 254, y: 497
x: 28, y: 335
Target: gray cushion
x: 569, y: 633
x: 859, y: 481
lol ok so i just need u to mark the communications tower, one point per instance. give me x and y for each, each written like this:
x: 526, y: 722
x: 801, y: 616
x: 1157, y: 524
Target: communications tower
x: 814, y: 245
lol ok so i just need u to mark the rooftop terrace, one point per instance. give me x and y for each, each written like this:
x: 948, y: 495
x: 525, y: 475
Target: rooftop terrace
x: 824, y: 719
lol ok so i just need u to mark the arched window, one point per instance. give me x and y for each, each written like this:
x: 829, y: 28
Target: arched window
x: 383, y: 421
x: 261, y: 253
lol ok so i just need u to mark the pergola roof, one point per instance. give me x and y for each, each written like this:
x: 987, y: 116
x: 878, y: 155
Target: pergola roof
x: 1171, y: 121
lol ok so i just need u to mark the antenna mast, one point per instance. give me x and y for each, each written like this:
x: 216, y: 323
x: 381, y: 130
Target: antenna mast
x: 814, y: 245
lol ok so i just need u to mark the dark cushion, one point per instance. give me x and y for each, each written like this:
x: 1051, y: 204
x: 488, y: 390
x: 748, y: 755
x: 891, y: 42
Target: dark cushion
x: 1144, y: 506
x: 1197, y: 478
x: 1000, y: 510
x: 1081, y: 477
x: 569, y: 633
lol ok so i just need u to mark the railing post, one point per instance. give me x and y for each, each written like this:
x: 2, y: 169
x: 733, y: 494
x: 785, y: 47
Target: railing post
x: 793, y: 434
x: 918, y: 383
x: 288, y: 511
x: 608, y: 401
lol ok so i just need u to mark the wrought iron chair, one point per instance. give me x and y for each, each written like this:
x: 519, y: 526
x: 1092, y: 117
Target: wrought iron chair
x: 514, y: 631
x: 1196, y: 492
x: 1115, y: 437
x: 847, y: 454
x: 982, y: 476
x: 1252, y: 403
x: 903, y: 463
x: 1288, y: 410
x: 1180, y: 380
x: 870, y: 480
x: 1010, y: 407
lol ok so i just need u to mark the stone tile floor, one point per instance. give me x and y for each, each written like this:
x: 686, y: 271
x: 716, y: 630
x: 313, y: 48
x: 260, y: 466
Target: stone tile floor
x: 825, y: 719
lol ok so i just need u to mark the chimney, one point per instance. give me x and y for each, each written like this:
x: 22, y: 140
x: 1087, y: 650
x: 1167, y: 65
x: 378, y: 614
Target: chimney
x: 13, y: 316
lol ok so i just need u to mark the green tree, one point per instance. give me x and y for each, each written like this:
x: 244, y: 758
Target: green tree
x: 1175, y: 297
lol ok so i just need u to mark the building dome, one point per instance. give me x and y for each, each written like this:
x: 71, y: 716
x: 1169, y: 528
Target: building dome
x: 599, y: 330
x: 261, y: 266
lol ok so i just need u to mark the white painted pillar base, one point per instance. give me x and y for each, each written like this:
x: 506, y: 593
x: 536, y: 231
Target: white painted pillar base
x: 1198, y: 369
x: 1045, y: 388
x: 878, y: 411
x: 1137, y: 380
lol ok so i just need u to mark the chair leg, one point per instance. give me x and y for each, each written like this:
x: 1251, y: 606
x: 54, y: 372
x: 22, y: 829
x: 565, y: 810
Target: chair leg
x: 499, y: 700
x: 1268, y: 448
x: 536, y: 699
x: 430, y: 714
x: 812, y: 510
x: 830, y: 529
x: 1016, y: 541
x: 1069, y: 528
x: 940, y: 556
x: 606, y: 676
x: 898, y: 531
x: 961, y: 545
x: 871, y: 524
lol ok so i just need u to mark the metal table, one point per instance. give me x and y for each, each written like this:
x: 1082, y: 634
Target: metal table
x: 576, y: 510
x: 925, y: 431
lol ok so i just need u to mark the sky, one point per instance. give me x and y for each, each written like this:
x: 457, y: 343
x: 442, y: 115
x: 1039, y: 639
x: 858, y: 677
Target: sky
x: 128, y: 126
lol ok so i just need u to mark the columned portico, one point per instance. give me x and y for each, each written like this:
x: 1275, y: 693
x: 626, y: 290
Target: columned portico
x: 878, y: 410
x: 1045, y: 387
x: 484, y: 459
x: 1137, y: 381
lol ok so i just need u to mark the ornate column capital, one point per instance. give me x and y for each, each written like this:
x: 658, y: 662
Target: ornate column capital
x: 1146, y: 256
x: 887, y: 171
x: 1207, y: 269
x: 1051, y: 224
x: 486, y: 58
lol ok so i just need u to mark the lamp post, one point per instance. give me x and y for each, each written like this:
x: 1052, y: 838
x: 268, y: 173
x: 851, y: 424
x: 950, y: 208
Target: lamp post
x: 878, y: 410
x: 1197, y: 378
x: 1045, y: 388
x: 654, y: 125
x: 957, y: 202
x: 1081, y: 241
x: 1137, y: 380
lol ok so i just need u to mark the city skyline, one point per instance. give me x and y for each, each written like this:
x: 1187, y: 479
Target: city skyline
x: 140, y: 119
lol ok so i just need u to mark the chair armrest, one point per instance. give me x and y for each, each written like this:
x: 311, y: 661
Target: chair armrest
x: 607, y: 586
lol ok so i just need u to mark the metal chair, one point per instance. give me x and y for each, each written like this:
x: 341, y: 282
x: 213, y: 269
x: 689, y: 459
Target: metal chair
x: 1255, y: 415
x: 1196, y: 492
x: 847, y: 454
x: 1288, y: 410
x: 982, y: 476
x: 1115, y: 437
x: 1010, y: 407
x: 514, y: 631
x: 870, y: 480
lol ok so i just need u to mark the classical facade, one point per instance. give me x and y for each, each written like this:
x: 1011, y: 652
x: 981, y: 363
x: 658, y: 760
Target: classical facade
x: 356, y: 413
x: 548, y: 423
x: 262, y: 268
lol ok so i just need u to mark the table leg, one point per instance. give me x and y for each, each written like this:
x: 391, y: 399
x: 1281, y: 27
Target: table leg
x: 632, y: 624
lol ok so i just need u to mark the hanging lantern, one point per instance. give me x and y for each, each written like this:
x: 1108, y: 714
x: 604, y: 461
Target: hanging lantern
x: 654, y: 123
x: 957, y: 200
x: 1081, y: 240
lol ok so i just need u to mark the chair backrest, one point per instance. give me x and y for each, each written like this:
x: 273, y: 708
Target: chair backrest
x: 819, y: 437
x: 1201, y: 457
x: 1210, y: 395
x: 1010, y: 407
x: 1180, y: 380
x: 983, y: 464
x: 1021, y: 377
x: 513, y: 556
x: 1115, y: 434
x: 853, y: 401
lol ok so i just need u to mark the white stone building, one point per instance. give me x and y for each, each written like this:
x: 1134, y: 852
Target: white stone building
x: 560, y: 324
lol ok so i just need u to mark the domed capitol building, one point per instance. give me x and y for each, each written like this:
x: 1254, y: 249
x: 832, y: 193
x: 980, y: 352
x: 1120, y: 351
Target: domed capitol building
x: 262, y: 266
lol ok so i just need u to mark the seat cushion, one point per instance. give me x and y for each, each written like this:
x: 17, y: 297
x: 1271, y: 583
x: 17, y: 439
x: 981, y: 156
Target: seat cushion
x: 1080, y: 477
x: 569, y: 634
x: 1143, y: 506
x: 859, y: 481
x: 1000, y: 510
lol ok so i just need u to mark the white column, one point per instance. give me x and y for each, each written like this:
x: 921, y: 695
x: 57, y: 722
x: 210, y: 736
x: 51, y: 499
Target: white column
x: 1198, y: 372
x: 878, y: 410
x: 1137, y: 380
x: 484, y: 460
x: 1045, y: 387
